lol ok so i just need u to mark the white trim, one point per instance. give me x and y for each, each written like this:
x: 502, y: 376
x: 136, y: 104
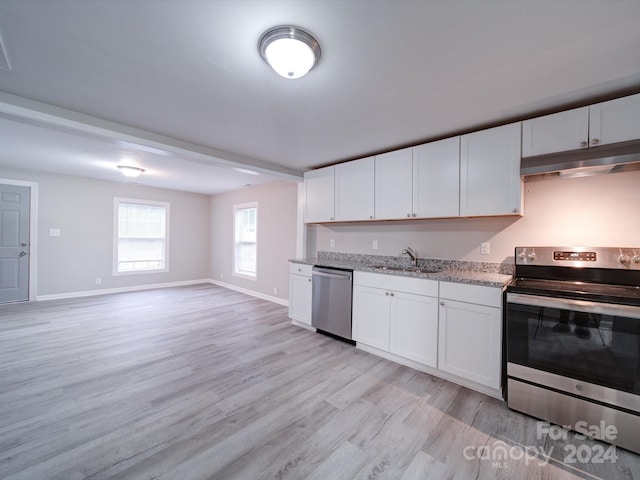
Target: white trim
x: 33, y: 233
x: 108, y: 291
x: 301, y: 230
x: 116, y: 207
x: 252, y: 293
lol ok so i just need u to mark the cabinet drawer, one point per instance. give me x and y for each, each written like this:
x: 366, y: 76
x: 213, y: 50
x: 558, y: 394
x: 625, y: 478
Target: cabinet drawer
x: 417, y: 286
x: 300, y: 269
x: 479, y: 294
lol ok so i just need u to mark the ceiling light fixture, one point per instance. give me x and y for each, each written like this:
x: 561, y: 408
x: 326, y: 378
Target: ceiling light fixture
x: 131, y: 172
x: 289, y: 50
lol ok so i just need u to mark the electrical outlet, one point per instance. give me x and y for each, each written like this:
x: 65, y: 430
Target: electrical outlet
x: 98, y: 281
x: 485, y: 248
x: 54, y: 232
x: 332, y: 243
x: 375, y: 244
x: 275, y: 290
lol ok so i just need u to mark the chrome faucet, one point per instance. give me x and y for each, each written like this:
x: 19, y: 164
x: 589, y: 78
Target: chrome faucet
x: 414, y: 256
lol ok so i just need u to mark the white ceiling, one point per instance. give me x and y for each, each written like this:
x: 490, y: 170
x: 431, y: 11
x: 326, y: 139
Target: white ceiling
x: 89, y: 82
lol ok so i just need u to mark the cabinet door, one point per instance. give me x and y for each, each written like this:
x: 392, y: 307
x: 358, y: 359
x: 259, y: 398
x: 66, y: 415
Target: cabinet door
x: 490, y: 181
x: 300, y: 298
x: 436, y: 179
x: 319, y: 195
x: 394, y: 171
x: 414, y: 327
x: 615, y: 121
x: 559, y: 132
x: 354, y: 183
x: 371, y: 316
x: 470, y: 342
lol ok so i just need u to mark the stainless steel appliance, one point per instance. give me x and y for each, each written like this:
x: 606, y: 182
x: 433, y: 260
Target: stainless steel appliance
x: 573, y: 339
x: 331, y: 301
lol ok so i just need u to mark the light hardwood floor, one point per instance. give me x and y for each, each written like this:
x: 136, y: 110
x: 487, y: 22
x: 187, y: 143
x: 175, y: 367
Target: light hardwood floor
x: 203, y: 382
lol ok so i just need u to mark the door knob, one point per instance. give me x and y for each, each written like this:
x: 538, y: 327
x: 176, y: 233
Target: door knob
x: 22, y: 254
x: 23, y: 244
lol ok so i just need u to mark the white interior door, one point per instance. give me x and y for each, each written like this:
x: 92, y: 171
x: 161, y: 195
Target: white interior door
x: 14, y: 242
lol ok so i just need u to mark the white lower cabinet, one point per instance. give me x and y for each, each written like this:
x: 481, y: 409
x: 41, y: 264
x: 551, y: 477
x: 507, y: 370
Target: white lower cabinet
x: 371, y: 316
x: 300, y: 293
x: 398, y: 315
x: 470, y: 336
x: 414, y: 327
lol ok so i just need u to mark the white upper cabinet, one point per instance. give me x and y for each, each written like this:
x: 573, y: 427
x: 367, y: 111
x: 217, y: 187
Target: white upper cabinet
x: 490, y: 182
x: 436, y: 179
x: 354, y: 182
x: 615, y: 121
x: 319, y: 195
x: 600, y: 124
x: 556, y: 133
x: 393, y: 183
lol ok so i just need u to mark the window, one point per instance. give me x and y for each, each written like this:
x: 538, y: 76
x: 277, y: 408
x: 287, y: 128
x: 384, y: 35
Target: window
x: 141, y: 239
x: 245, y: 246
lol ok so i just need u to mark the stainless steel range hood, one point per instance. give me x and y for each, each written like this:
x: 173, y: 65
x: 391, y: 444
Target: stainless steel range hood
x: 605, y: 159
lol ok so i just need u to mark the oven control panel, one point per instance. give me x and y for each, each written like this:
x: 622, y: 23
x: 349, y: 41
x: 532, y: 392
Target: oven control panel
x: 585, y: 257
x: 562, y: 255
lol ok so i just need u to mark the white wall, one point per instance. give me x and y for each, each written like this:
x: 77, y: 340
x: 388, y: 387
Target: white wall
x: 600, y: 210
x: 83, y: 210
x: 277, y: 213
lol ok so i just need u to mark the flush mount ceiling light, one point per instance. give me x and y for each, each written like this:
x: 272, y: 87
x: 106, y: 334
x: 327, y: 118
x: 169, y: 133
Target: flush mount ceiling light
x: 289, y: 50
x: 131, y: 172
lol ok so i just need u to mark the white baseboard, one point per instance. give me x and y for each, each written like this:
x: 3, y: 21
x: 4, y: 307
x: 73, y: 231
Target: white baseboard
x: 263, y: 296
x: 107, y: 291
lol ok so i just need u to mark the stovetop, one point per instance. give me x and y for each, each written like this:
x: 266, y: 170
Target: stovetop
x: 603, y: 274
x: 605, y: 293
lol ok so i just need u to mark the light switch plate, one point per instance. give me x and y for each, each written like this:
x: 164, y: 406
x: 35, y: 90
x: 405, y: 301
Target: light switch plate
x: 485, y: 248
x: 54, y: 232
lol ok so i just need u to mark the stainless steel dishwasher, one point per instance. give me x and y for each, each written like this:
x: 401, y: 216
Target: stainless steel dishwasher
x: 331, y: 301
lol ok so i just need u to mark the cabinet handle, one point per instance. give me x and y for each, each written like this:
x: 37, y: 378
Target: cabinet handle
x: 442, y: 304
x: 583, y: 144
x: 331, y: 218
x: 414, y: 215
x: 309, y: 280
x: 391, y: 294
x: 408, y: 215
x: 595, y: 141
x: 515, y: 210
x: 370, y: 217
x: 386, y: 293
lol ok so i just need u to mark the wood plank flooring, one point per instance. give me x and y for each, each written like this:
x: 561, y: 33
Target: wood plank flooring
x: 202, y: 382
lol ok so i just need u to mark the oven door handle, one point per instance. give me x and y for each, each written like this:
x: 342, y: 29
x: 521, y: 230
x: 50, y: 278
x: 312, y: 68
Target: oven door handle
x: 612, y: 309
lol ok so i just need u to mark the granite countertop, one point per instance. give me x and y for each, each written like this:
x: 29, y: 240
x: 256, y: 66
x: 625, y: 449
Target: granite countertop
x: 474, y: 273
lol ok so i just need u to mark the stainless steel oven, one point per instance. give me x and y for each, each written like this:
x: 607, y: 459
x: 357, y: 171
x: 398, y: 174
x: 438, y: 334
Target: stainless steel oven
x: 573, y: 339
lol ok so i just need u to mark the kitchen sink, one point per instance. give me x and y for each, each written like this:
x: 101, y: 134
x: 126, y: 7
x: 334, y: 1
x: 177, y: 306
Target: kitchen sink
x: 403, y: 269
